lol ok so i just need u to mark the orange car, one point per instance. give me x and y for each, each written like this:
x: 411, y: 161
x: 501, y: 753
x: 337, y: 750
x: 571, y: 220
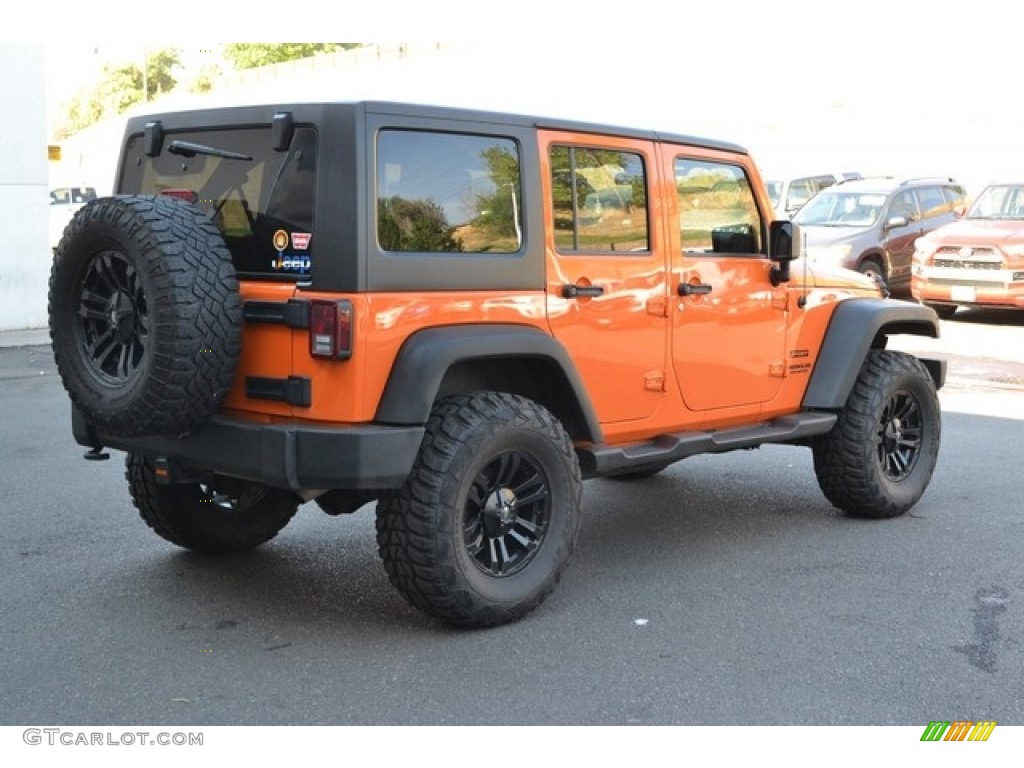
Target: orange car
x: 461, y: 316
x: 977, y: 261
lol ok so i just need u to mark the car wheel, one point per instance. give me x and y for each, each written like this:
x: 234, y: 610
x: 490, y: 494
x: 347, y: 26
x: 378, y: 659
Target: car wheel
x: 144, y: 314
x: 485, y: 524
x: 226, y: 516
x: 879, y: 457
x: 872, y: 269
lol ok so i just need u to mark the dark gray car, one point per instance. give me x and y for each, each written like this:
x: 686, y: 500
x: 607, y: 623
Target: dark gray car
x: 870, y: 225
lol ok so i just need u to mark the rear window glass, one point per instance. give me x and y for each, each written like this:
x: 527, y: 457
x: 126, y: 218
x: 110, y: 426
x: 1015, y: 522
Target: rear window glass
x: 260, y: 199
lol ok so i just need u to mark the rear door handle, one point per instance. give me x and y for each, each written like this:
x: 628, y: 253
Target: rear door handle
x: 693, y: 289
x: 573, y: 291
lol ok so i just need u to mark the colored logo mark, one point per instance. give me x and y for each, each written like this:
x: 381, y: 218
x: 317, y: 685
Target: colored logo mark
x: 958, y: 730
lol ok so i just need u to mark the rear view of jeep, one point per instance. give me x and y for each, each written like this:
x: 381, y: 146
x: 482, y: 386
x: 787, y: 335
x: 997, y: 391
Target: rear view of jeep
x: 460, y: 316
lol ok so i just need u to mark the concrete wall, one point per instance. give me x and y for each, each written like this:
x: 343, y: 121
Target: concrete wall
x: 25, y: 255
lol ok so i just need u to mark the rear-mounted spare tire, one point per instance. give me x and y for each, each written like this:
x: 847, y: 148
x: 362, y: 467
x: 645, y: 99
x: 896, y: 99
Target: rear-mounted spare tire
x: 145, y: 315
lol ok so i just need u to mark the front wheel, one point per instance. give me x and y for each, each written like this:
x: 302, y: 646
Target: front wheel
x: 484, y: 526
x: 226, y: 516
x: 872, y: 269
x: 878, y: 459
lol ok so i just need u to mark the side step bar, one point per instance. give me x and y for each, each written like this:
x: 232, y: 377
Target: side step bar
x: 598, y: 460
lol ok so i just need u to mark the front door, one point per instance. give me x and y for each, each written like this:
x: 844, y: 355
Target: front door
x: 728, y: 321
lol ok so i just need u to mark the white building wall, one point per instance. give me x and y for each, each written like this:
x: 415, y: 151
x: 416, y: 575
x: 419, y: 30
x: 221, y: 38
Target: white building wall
x: 25, y: 255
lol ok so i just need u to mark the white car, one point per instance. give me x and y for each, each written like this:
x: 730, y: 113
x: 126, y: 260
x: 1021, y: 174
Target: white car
x: 64, y: 201
x: 788, y: 194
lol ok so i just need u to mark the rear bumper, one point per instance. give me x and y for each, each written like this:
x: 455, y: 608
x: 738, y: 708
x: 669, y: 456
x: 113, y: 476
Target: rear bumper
x: 294, y: 456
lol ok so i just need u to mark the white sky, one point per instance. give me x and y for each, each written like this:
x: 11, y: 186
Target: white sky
x: 879, y: 87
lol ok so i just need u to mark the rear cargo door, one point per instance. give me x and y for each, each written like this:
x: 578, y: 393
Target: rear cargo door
x: 260, y: 196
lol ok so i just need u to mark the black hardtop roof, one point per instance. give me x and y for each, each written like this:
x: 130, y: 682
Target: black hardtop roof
x: 257, y: 114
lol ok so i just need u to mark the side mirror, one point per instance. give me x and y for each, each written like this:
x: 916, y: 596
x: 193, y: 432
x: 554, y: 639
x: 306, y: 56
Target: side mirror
x: 896, y: 221
x: 784, y: 244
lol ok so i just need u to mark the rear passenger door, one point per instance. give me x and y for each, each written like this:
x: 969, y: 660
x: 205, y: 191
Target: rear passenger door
x: 606, y: 277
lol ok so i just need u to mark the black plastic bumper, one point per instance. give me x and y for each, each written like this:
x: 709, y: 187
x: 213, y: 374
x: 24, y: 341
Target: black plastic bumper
x: 295, y: 456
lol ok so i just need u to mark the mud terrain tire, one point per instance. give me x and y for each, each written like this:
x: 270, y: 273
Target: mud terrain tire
x: 484, y: 526
x: 145, y: 315
x: 221, y: 519
x: 878, y: 458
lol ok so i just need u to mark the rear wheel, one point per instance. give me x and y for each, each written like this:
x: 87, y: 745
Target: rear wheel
x: 225, y: 516
x: 878, y: 459
x: 485, y: 524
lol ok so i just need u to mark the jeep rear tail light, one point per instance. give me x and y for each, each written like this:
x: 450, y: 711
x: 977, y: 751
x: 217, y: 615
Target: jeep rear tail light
x: 188, y: 195
x: 330, y: 329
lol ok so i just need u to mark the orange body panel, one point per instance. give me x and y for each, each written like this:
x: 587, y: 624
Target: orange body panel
x: 651, y: 360
x: 348, y: 391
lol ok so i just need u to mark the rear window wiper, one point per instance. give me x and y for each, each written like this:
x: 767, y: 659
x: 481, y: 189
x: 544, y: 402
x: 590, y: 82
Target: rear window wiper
x: 189, y: 149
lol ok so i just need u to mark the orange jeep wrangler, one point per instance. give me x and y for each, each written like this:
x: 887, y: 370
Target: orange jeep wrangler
x: 461, y: 315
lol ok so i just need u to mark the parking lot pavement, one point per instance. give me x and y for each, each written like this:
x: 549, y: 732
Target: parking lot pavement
x: 25, y: 337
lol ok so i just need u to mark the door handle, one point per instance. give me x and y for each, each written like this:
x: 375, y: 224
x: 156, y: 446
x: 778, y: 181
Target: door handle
x: 693, y: 289
x: 573, y: 291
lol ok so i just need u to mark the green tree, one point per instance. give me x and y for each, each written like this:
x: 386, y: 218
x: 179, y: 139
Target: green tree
x: 415, y: 225
x: 204, y: 80
x: 250, y: 55
x: 120, y: 87
x: 500, y: 210
x: 77, y: 115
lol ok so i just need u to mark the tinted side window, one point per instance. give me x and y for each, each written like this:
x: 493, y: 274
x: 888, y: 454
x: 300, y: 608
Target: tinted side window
x: 448, y: 193
x: 932, y: 202
x: 956, y: 197
x: 904, y: 204
x: 600, y: 200
x: 717, y: 212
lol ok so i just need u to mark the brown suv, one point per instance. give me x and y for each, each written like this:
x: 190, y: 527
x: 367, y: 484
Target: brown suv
x: 870, y: 225
x: 460, y: 315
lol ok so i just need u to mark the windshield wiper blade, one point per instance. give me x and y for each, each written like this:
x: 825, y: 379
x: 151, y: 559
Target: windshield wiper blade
x: 189, y: 149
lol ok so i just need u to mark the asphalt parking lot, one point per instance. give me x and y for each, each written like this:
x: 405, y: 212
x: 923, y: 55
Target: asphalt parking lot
x: 725, y: 591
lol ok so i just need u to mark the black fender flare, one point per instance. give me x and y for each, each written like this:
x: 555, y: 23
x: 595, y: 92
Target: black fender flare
x: 856, y: 326
x: 427, y: 355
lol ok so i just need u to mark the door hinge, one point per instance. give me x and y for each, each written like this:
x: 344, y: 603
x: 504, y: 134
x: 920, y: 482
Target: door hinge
x: 657, y: 306
x: 654, y: 381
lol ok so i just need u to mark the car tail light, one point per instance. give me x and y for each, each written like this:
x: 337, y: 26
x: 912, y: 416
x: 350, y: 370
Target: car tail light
x: 188, y: 195
x: 330, y: 329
